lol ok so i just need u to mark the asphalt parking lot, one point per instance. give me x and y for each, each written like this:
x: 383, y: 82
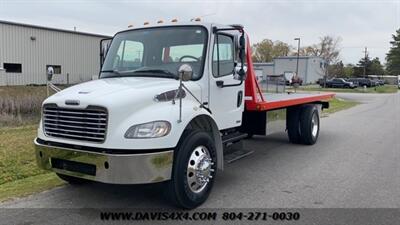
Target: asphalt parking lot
x: 355, y: 164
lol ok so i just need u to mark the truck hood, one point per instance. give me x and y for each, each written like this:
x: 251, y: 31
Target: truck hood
x: 109, y: 91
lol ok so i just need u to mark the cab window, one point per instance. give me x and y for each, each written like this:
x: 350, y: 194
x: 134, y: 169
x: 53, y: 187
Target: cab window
x: 183, y: 53
x: 223, y: 55
x: 129, y: 55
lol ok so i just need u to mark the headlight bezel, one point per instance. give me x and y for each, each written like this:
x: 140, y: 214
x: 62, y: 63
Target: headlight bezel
x: 133, y: 131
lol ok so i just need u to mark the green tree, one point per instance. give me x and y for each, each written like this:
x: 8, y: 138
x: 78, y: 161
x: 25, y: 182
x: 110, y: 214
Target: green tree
x: 393, y: 56
x: 266, y: 50
x: 327, y: 48
x: 376, y: 67
x: 372, y: 67
x: 348, y: 70
x: 364, y: 62
x: 336, y: 69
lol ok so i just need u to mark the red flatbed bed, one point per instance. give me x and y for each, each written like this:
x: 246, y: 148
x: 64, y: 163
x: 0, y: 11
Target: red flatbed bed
x: 272, y: 101
x: 256, y: 100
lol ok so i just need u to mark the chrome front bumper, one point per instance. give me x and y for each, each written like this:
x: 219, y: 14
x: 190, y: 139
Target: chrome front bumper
x: 106, y: 168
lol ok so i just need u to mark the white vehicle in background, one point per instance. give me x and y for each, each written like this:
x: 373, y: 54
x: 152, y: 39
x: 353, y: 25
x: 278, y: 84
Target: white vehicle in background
x: 288, y: 77
x: 398, y: 81
x: 169, y: 101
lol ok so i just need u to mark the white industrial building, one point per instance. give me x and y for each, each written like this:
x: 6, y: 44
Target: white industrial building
x: 27, y: 50
x: 311, y: 68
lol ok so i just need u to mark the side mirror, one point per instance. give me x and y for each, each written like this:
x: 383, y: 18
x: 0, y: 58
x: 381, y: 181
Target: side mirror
x: 240, y: 74
x: 50, y: 73
x: 104, y: 46
x: 241, y: 46
x: 185, y: 72
x: 242, y: 42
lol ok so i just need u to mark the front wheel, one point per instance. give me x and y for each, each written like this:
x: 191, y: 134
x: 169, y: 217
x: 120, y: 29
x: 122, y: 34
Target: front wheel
x: 194, y: 170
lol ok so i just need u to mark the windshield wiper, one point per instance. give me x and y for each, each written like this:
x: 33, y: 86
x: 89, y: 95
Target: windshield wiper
x: 136, y: 72
x: 111, y: 71
x: 157, y: 71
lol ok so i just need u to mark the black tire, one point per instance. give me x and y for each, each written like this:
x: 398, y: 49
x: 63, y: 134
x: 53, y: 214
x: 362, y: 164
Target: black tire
x: 249, y: 136
x: 309, y: 117
x: 178, y: 191
x: 72, y: 180
x: 293, y: 124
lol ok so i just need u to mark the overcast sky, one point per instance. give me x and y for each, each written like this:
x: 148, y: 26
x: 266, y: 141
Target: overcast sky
x: 358, y: 23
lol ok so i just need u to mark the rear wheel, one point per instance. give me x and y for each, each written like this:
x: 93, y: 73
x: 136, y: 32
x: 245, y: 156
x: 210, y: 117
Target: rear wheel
x: 72, y: 180
x: 293, y: 124
x: 194, y: 170
x: 309, y: 124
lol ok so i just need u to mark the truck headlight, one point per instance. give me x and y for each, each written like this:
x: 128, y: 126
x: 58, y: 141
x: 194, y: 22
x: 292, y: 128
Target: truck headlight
x: 153, y: 129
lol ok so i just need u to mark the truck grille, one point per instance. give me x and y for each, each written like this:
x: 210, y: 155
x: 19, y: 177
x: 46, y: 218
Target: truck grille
x: 88, y: 124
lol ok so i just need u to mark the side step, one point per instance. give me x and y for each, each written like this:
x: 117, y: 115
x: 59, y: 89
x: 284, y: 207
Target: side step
x: 234, y: 137
x: 233, y: 147
x: 236, y: 155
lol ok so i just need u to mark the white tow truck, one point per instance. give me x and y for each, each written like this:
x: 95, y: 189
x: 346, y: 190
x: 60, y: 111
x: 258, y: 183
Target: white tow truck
x: 169, y: 100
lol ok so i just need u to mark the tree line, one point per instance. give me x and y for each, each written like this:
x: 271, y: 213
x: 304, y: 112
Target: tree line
x: 329, y: 49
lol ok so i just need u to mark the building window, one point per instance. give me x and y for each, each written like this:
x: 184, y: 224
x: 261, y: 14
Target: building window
x: 13, y: 67
x: 56, y: 68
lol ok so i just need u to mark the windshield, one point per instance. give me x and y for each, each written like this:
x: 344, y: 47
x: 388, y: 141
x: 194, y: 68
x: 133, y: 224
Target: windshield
x: 156, y: 52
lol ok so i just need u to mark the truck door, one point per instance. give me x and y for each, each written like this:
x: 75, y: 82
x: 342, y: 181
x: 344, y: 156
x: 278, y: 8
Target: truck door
x: 226, y: 103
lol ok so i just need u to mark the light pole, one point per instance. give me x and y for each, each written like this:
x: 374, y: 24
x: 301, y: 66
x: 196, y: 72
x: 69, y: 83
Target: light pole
x: 298, y: 54
x: 297, y: 65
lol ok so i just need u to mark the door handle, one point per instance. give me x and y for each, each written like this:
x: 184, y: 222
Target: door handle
x: 239, y: 99
x: 220, y: 84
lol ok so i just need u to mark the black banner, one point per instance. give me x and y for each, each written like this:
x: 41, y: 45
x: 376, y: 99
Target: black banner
x: 294, y: 216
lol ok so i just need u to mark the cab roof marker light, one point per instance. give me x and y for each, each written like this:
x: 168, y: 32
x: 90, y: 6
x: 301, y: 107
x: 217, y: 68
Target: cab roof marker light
x: 130, y: 25
x: 198, y: 19
x: 160, y: 21
x: 174, y: 20
x: 146, y: 23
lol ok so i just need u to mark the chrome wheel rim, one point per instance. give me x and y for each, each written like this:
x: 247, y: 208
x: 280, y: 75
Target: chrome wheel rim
x: 199, y: 169
x: 314, y: 125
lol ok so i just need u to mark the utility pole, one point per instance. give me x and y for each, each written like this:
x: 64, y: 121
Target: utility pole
x: 365, y: 61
